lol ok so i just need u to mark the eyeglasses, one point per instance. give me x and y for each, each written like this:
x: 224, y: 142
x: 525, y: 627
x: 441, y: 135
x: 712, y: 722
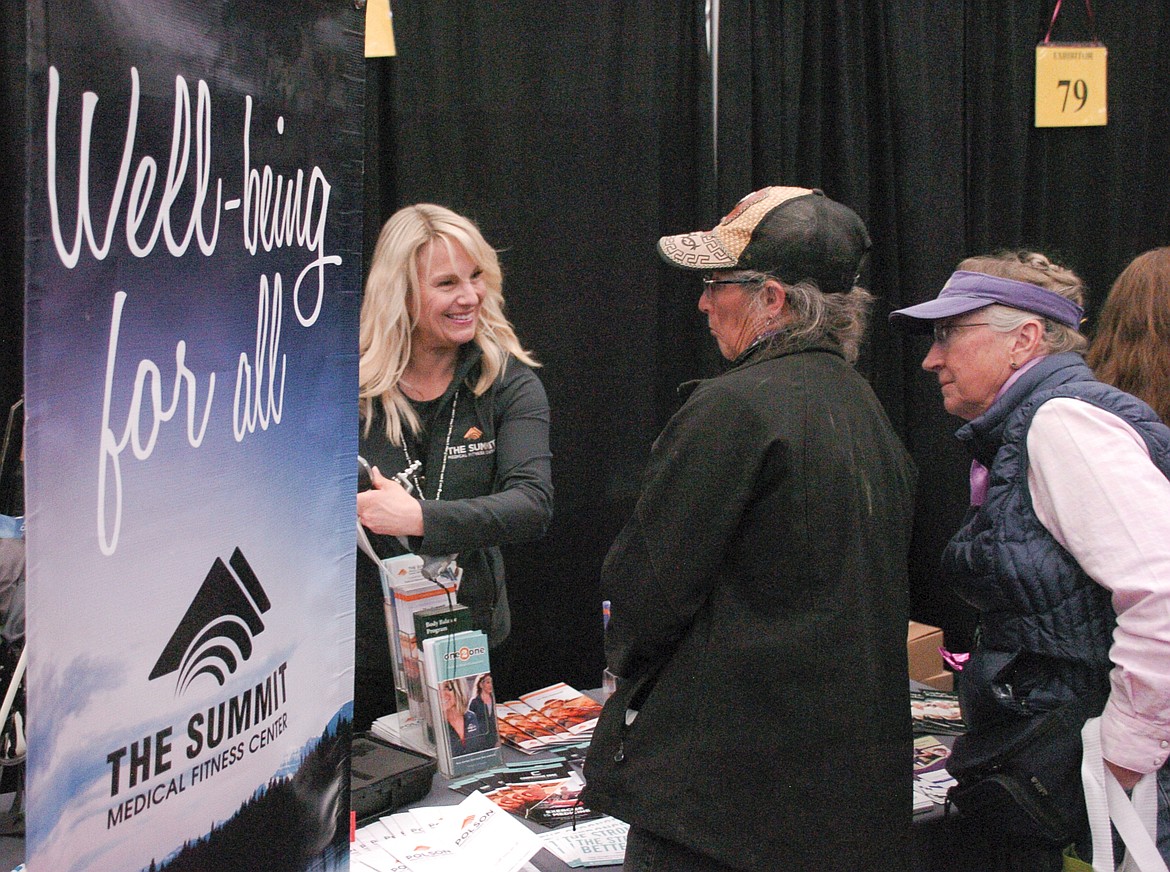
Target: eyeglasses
x: 942, y: 332
x: 709, y: 284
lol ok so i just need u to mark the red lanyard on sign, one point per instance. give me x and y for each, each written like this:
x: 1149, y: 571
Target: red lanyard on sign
x: 1056, y: 13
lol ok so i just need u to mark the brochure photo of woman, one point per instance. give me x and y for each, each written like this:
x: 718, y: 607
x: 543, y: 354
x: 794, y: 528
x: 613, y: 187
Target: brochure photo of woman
x: 465, y: 731
x: 483, y: 704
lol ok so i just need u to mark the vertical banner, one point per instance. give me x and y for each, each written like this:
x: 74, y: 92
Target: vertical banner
x: 193, y: 261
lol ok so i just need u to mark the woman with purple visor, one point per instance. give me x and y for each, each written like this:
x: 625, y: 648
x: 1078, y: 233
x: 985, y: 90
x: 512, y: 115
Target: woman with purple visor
x: 1065, y: 551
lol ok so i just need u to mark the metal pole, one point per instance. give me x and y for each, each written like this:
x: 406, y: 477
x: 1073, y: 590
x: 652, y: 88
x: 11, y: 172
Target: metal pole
x: 713, y: 55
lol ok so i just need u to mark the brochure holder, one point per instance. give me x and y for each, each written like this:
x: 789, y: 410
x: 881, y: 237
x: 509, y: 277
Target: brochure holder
x: 411, y: 584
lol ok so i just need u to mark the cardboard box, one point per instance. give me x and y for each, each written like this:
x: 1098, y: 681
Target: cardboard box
x: 943, y: 681
x: 922, y: 644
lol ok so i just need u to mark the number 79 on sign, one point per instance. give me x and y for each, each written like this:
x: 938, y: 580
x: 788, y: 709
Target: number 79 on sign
x: 1071, y: 85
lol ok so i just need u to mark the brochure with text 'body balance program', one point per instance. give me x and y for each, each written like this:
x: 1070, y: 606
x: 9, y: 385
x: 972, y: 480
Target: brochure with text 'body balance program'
x: 453, y: 666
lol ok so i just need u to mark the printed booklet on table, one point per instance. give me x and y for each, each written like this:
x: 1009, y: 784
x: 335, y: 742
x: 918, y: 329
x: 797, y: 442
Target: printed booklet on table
x: 452, y: 667
x: 566, y: 706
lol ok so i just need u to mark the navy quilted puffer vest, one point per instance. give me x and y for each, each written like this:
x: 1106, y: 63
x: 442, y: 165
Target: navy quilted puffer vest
x: 1045, y: 626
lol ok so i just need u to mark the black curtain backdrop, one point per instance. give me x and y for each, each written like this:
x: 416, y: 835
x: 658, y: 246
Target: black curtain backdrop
x: 917, y: 114
x: 577, y: 134
x: 13, y: 69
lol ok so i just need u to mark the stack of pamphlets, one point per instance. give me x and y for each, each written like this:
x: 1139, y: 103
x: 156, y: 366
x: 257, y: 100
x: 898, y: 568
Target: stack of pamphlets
x: 528, y: 730
x: 407, y: 591
x: 455, y: 669
x: 566, y: 706
x: 429, y: 623
x: 937, y: 712
x: 399, y: 728
x: 548, y: 719
x: 931, y: 779
x: 542, y: 791
x: 475, y: 834
x: 403, y: 727
x: 600, y: 842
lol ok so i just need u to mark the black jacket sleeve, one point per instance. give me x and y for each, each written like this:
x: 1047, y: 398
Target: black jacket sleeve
x: 520, y: 505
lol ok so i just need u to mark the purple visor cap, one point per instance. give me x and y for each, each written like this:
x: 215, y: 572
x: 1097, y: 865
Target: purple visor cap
x: 967, y: 291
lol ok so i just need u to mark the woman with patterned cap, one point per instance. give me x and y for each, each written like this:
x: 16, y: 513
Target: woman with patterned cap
x: 758, y: 594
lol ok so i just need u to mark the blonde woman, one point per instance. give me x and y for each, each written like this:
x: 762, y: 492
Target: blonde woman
x: 443, y: 381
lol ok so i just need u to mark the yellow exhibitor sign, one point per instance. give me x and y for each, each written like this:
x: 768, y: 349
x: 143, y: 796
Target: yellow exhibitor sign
x: 379, y: 29
x: 1070, y: 84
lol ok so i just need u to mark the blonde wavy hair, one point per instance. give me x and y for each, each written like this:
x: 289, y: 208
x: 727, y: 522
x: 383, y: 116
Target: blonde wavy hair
x: 390, y: 311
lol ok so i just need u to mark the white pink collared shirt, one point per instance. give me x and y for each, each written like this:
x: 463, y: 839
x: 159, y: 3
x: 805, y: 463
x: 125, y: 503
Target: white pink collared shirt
x: 1094, y: 488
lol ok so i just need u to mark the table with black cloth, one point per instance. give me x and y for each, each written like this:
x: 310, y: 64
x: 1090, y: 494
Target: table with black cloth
x: 939, y: 842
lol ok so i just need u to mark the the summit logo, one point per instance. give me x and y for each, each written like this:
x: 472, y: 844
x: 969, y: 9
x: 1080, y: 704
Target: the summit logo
x: 217, y: 631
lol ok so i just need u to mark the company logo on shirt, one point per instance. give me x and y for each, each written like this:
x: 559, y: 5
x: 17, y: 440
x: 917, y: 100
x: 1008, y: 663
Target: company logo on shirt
x: 473, y: 433
x: 472, y: 449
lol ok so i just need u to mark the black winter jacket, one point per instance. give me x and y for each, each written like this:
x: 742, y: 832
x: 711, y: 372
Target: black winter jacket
x: 758, y: 624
